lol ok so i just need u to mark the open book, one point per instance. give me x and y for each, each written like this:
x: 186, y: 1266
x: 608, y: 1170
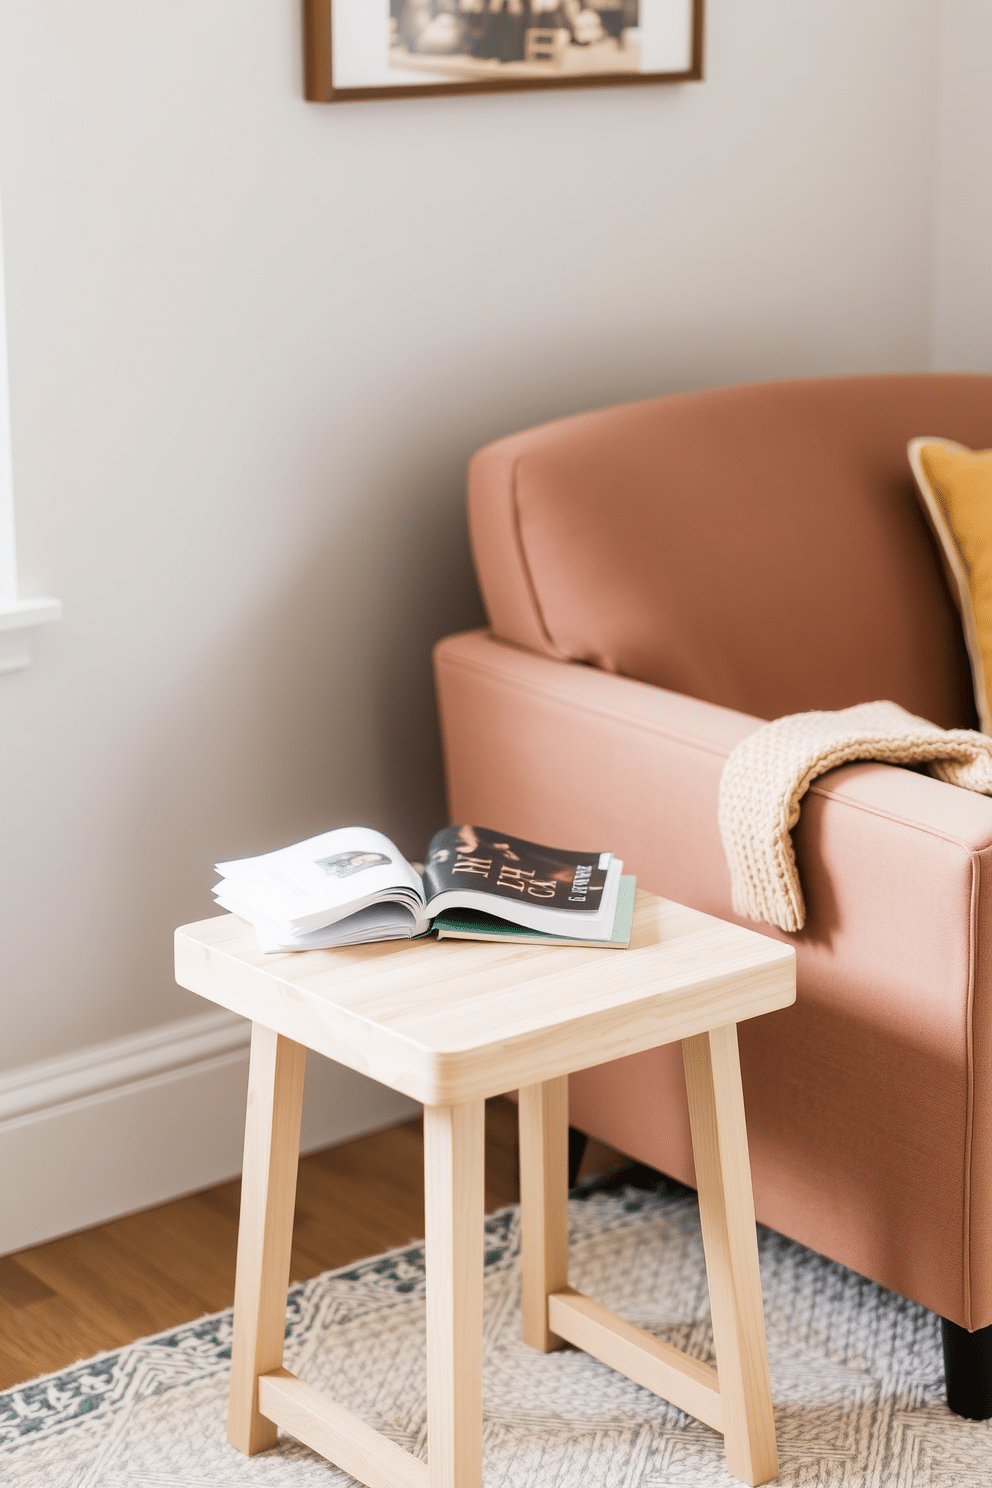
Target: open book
x: 352, y: 886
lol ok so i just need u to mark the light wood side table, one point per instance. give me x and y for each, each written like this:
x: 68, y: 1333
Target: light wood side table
x: 450, y: 1023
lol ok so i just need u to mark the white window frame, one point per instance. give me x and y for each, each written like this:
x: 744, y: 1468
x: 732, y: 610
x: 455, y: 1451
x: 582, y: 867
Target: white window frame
x: 18, y: 617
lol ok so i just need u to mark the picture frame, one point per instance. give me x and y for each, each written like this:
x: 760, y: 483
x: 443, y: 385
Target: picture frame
x: 373, y: 49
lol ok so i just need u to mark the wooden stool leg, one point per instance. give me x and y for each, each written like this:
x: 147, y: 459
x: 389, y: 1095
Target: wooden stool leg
x: 543, y: 1205
x: 454, y: 1190
x: 726, y: 1210
x: 265, y: 1236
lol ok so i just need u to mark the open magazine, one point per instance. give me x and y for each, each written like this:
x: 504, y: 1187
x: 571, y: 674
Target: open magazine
x: 352, y: 886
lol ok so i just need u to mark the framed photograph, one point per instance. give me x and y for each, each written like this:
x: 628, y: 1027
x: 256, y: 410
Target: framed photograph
x: 406, y: 48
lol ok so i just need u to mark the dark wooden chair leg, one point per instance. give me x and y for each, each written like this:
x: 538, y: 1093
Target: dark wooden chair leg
x: 576, y: 1148
x: 968, y: 1370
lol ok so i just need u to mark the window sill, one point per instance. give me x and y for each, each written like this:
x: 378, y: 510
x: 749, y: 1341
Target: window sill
x: 18, y: 618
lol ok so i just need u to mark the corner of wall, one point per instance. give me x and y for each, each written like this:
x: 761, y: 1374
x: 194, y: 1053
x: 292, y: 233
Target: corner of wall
x: 961, y: 333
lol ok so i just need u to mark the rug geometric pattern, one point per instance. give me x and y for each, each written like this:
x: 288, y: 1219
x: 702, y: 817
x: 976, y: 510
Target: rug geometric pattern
x: 857, y: 1377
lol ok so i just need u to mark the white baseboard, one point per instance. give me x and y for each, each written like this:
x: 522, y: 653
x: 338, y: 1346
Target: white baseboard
x: 140, y: 1120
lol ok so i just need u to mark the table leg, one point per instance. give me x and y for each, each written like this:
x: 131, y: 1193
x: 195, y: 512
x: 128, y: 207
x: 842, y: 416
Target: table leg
x: 543, y: 1205
x: 265, y: 1234
x: 726, y: 1211
x: 454, y: 1189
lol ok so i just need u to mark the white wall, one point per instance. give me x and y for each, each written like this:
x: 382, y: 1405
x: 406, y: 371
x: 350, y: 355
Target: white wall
x: 253, y: 343
x: 962, y: 336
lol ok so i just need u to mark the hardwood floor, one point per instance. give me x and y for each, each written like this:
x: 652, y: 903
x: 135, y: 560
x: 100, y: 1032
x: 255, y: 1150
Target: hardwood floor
x: 100, y: 1288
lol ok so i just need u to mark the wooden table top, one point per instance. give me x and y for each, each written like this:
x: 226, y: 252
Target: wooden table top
x: 450, y: 1021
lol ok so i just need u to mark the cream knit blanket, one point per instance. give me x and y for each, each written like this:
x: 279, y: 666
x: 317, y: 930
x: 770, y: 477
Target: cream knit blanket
x: 769, y: 772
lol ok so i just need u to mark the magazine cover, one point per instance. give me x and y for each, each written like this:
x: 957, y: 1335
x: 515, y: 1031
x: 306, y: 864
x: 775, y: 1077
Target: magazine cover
x: 473, y: 858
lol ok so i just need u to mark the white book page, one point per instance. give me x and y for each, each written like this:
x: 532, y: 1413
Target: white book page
x: 322, y: 879
x: 376, y: 922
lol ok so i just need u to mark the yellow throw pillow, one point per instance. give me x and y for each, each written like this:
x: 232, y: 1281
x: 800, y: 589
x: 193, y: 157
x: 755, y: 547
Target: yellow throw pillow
x: 956, y: 486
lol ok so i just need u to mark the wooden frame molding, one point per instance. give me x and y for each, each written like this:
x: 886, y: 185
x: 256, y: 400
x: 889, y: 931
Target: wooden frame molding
x: 318, y: 68
x: 318, y: 71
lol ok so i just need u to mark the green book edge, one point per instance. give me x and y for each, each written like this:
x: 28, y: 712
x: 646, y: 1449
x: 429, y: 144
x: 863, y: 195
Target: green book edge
x: 471, y: 925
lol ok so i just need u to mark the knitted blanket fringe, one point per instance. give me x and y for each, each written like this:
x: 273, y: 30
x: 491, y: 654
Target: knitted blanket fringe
x: 769, y: 772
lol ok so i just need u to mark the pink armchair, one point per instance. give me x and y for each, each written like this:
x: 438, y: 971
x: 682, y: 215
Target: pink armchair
x: 659, y: 578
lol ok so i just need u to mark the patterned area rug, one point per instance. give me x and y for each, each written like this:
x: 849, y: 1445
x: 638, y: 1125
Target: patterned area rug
x: 856, y: 1376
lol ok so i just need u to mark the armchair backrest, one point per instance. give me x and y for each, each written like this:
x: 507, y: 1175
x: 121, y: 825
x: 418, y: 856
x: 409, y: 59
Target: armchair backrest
x: 760, y: 546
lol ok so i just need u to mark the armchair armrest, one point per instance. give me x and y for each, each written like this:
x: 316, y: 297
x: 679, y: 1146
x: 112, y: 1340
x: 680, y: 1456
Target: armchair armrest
x: 877, y: 1087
